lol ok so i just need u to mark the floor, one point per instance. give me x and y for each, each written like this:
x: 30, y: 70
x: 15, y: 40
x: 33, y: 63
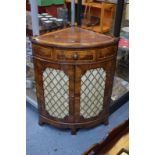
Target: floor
x: 47, y: 140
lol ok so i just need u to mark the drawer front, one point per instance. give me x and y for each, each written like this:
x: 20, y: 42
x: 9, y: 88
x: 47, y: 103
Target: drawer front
x: 42, y: 52
x: 106, y: 52
x: 85, y: 55
x: 61, y: 55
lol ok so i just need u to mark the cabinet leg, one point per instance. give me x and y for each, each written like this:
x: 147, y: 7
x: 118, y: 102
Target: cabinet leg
x: 41, y: 123
x: 73, y: 131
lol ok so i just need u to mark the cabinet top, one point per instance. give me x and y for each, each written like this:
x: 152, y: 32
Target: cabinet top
x: 74, y: 37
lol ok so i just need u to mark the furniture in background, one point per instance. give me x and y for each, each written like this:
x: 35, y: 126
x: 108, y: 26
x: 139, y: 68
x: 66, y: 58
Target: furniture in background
x: 103, y: 11
x: 116, y: 143
x: 74, y: 70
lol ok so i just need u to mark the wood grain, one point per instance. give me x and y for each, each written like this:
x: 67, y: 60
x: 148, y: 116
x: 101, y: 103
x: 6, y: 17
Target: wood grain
x: 50, y: 52
x: 74, y: 37
x: 116, y: 141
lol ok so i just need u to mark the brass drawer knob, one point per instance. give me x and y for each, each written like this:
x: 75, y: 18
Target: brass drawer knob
x: 75, y: 56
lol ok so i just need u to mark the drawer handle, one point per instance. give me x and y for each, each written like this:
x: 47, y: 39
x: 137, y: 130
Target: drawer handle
x: 75, y: 56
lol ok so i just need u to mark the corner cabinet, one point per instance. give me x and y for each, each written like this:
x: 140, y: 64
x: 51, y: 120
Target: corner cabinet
x: 74, y: 70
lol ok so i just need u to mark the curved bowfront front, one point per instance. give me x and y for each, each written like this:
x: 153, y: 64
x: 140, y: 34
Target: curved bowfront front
x: 74, y: 71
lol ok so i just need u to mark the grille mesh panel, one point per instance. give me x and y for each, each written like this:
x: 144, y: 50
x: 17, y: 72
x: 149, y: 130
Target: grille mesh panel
x: 56, y: 92
x: 92, y: 92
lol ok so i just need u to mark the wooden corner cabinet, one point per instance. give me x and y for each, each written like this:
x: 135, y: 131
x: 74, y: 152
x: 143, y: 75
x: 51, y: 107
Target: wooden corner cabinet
x: 74, y: 70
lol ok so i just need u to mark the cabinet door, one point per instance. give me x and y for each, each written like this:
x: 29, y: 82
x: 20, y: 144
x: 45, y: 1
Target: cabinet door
x: 55, y: 90
x: 93, y: 85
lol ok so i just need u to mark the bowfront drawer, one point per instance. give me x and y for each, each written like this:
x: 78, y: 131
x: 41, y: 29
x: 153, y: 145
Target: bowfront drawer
x: 89, y: 55
x: 106, y: 52
x: 42, y: 52
x: 85, y: 55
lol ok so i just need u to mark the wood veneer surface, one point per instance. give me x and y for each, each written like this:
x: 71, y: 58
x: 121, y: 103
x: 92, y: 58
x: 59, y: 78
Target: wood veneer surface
x: 74, y: 37
x: 116, y: 143
x: 74, y: 52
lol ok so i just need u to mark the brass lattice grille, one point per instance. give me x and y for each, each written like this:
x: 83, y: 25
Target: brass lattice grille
x: 56, y: 92
x: 92, y: 92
